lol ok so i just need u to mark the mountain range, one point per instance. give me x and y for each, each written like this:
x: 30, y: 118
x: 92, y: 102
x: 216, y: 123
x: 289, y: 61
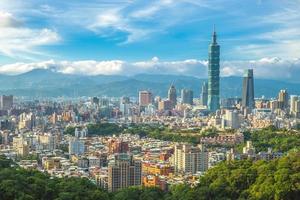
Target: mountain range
x: 48, y: 83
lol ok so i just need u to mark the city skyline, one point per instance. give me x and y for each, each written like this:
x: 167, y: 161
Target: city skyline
x: 62, y: 36
x: 156, y: 100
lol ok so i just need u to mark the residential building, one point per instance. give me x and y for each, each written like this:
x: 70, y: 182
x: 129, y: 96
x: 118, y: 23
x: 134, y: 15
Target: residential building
x: 145, y: 98
x: 190, y: 159
x: 124, y: 171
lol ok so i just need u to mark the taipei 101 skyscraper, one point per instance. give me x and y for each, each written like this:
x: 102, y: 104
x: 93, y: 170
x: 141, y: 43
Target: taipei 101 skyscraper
x: 214, y: 74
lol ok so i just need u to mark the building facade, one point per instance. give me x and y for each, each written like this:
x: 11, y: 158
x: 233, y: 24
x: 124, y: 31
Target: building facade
x: 190, y: 159
x: 6, y: 102
x: 172, y: 96
x: 283, y: 99
x: 76, y: 146
x: 187, y: 96
x: 145, y: 98
x: 213, y: 101
x: 124, y: 171
x: 248, y: 90
x: 204, y: 94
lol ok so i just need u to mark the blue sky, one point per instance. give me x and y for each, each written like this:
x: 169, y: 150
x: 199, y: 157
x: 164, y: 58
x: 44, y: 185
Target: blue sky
x: 172, y: 36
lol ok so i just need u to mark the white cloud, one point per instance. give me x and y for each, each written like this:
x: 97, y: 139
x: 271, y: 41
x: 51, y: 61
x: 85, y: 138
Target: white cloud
x: 268, y: 68
x: 16, y: 40
x: 7, y: 20
x: 19, y: 68
x: 91, y: 67
x: 134, y: 20
x: 116, y: 67
x: 191, y: 67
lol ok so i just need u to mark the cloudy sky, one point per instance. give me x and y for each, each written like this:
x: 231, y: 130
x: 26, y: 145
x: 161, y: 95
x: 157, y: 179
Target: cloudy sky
x: 167, y: 36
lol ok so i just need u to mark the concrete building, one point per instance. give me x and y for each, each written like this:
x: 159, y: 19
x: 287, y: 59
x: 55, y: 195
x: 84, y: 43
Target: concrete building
x: 190, y: 159
x: 80, y: 133
x: 46, y: 142
x: 231, y: 119
x: 20, y: 146
x: 125, y: 106
x: 249, y: 149
x: 26, y: 121
x: 283, y: 99
x: 76, y: 146
x: 165, y: 105
x: 117, y: 146
x: 204, y: 94
x: 6, y: 102
x: 124, y: 171
x: 248, y: 90
x: 187, y: 96
x: 145, y: 98
x: 295, y: 106
x: 172, y: 96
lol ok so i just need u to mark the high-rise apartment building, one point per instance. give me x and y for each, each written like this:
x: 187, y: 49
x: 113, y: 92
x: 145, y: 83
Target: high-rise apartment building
x: 274, y: 104
x: 21, y: 146
x: 165, y: 105
x: 125, y: 106
x: 124, y: 171
x: 6, y: 102
x: 231, y: 119
x: 117, y: 146
x: 76, y: 146
x: 297, y: 109
x: 145, y: 98
x: 172, y: 96
x: 187, y: 96
x: 283, y: 99
x: 190, y: 159
x: 295, y: 106
x: 204, y: 94
x: 47, y: 142
x: 248, y: 90
x: 27, y: 121
x: 293, y: 100
x: 213, y: 101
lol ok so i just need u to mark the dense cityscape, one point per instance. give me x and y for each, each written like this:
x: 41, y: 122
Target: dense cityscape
x: 149, y: 100
x: 151, y: 141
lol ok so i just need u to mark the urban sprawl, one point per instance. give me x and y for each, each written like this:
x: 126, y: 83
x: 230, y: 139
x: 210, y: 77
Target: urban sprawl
x: 149, y: 140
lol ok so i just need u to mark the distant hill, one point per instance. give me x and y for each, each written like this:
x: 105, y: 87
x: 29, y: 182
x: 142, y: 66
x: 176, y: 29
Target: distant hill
x: 48, y: 83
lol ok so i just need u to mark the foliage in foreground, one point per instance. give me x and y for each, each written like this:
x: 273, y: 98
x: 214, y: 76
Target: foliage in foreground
x: 277, y: 179
x: 277, y: 139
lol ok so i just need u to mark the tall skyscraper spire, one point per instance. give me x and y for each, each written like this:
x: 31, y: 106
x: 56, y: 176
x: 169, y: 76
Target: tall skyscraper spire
x: 213, y: 102
x: 214, y: 35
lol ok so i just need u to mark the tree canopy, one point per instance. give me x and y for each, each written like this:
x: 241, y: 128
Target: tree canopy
x: 278, y: 179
